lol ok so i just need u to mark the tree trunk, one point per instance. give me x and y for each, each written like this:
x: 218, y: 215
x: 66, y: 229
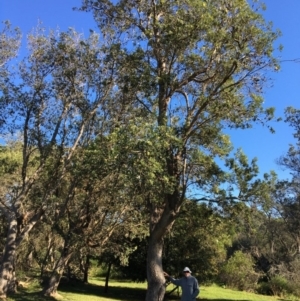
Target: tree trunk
x: 8, y: 282
x: 161, y: 221
x: 7, y: 276
x: 13, y: 283
x: 30, y: 259
x: 107, y: 277
x: 47, y: 256
x: 156, y: 281
x: 51, y: 288
x: 86, y: 269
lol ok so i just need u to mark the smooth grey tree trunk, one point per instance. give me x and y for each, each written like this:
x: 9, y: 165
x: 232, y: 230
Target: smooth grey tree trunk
x: 161, y: 222
x: 156, y: 281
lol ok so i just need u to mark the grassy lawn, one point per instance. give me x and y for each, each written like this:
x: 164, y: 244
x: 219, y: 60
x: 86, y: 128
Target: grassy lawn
x: 130, y: 291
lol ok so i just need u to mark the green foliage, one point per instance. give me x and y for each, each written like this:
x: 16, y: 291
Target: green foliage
x: 278, y: 286
x: 291, y: 159
x: 199, y: 240
x: 10, y: 39
x: 186, y: 77
x: 238, y: 272
x: 10, y: 160
x: 136, y: 269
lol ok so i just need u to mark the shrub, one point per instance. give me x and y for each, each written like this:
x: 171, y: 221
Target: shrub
x: 283, y: 280
x: 238, y: 272
x: 279, y: 286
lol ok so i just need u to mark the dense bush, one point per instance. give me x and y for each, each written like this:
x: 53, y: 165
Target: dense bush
x: 238, y: 272
x: 279, y: 286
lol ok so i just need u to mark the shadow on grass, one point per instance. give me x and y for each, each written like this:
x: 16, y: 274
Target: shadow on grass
x: 114, y: 292
x: 24, y: 295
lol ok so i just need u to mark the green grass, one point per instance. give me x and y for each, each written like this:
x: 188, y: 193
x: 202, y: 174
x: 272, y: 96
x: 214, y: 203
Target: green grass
x: 215, y: 293
x: 130, y: 291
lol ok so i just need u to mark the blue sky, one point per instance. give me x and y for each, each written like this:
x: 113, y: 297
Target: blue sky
x: 284, y: 88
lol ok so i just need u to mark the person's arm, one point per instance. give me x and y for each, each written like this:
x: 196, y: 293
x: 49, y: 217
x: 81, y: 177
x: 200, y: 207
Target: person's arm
x: 196, y: 289
x: 174, y: 281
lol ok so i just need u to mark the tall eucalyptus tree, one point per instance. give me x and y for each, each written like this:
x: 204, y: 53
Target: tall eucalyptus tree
x: 197, y: 68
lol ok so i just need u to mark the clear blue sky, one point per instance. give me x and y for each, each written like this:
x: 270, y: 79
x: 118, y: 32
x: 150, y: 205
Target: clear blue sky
x: 284, y: 89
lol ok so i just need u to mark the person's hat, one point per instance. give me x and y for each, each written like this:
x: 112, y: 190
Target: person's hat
x: 186, y: 269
